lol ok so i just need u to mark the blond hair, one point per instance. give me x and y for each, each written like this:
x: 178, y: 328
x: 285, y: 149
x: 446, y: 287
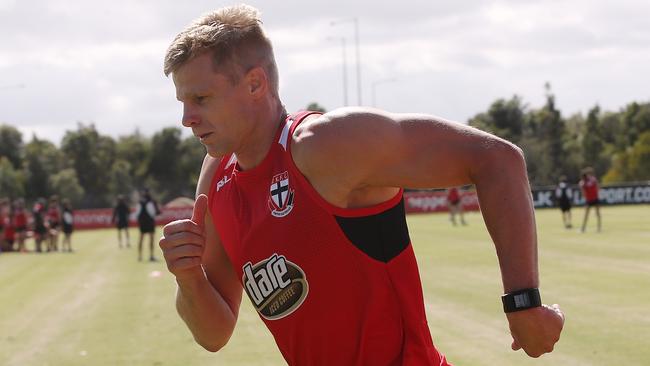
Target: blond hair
x: 234, y: 37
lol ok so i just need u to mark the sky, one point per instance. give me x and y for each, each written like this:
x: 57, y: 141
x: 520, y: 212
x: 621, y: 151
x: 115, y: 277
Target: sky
x: 64, y: 62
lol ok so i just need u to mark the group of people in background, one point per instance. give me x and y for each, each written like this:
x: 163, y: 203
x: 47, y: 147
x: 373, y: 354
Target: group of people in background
x: 47, y: 221
x: 564, y: 196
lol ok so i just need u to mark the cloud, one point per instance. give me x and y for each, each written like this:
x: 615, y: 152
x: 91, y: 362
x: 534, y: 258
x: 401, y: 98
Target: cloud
x: 102, y: 61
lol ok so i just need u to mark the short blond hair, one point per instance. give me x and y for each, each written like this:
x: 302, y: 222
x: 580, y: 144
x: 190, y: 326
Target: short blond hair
x: 234, y: 37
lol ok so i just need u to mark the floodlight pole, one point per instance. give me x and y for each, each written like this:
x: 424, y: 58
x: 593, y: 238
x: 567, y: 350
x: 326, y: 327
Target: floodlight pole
x: 358, y: 53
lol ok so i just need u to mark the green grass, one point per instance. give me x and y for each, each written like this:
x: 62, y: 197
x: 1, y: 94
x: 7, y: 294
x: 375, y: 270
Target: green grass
x: 99, y: 306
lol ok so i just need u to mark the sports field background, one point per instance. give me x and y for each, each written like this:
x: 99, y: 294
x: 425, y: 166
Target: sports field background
x: 99, y: 306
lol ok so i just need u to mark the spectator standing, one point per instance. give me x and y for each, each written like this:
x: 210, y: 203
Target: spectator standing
x: 455, y: 205
x: 590, y: 188
x: 68, y: 225
x: 563, y: 196
x: 121, y: 219
x: 146, y: 214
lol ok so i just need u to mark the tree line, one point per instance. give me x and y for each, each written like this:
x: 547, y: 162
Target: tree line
x: 91, y: 169
x: 615, y: 144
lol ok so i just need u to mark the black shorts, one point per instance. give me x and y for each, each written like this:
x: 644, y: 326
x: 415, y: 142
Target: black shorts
x: 147, y: 228
x: 595, y: 202
x: 21, y: 229
x: 565, y: 205
x: 122, y: 224
x: 67, y: 229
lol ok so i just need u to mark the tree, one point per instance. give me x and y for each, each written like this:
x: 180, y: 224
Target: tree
x: 135, y: 149
x: 504, y: 118
x: 192, y: 154
x: 90, y: 155
x: 593, y: 144
x: 121, y: 181
x: 66, y: 185
x: 11, y: 145
x: 313, y: 106
x: 547, y: 126
x: 42, y: 159
x: 11, y: 180
x: 165, y: 162
x: 639, y: 158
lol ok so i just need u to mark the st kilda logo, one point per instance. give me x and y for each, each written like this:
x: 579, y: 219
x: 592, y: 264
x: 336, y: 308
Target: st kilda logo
x: 281, y: 195
x: 276, y: 286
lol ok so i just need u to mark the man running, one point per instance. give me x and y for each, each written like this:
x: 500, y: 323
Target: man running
x: 305, y: 214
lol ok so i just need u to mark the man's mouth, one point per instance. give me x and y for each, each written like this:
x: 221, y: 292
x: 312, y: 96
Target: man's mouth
x: 204, y: 136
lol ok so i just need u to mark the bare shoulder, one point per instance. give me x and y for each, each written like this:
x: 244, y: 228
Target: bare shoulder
x: 208, y: 169
x: 331, y: 138
x: 337, y: 151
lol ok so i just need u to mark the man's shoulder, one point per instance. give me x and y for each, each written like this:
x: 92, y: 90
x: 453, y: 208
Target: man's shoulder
x: 208, y: 169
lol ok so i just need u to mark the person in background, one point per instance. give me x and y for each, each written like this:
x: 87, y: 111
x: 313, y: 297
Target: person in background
x: 4, y: 211
x: 41, y: 227
x: 54, y: 221
x: 121, y: 219
x: 455, y: 205
x: 590, y: 188
x: 146, y: 213
x: 563, y: 196
x: 9, y: 231
x: 20, y: 220
x: 68, y: 224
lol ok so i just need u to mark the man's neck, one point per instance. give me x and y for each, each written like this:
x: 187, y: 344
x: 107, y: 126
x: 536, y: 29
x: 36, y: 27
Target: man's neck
x: 257, y: 146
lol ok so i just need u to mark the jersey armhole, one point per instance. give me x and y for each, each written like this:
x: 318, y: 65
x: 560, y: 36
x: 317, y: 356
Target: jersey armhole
x: 330, y: 208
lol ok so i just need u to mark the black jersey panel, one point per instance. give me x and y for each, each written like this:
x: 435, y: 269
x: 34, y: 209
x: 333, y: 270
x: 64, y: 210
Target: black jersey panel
x: 382, y: 236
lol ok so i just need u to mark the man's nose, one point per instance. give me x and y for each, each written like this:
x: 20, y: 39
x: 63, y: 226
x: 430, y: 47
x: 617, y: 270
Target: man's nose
x: 190, y: 118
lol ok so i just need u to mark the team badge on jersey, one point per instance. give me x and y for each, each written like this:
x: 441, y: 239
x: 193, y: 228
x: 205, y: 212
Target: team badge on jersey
x: 276, y: 286
x: 281, y: 195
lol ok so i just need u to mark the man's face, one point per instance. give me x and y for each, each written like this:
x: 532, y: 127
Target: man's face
x: 212, y: 107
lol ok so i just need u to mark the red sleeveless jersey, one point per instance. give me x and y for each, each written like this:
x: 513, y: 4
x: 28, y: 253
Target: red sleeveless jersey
x: 334, y: 286
x: 590, y: 188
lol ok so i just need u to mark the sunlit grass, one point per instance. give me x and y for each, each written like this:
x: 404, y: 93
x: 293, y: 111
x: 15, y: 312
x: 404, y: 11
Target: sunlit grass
x: 100, y: 306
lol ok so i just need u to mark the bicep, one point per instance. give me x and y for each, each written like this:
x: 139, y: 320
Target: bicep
x: 365, y: 147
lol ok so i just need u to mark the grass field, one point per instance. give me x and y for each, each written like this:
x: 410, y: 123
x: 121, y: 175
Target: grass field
x: 99, y: 306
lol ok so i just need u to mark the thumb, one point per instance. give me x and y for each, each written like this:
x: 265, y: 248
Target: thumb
x: 200, y: 207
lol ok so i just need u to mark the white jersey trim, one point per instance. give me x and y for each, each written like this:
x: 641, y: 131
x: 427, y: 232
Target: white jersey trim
x: 284, y: 136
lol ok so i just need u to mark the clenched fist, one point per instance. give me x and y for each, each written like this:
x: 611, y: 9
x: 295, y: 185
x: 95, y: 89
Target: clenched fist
x: 183, y: 242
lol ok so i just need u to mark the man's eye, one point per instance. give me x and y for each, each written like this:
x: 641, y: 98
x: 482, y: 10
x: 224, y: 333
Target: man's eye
x: 199, y: 99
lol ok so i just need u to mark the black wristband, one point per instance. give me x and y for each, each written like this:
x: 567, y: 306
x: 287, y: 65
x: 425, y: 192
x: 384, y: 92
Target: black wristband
x: 521, y: 300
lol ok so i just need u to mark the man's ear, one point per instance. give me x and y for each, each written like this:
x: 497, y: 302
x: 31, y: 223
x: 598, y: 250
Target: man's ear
x: 257, y: 82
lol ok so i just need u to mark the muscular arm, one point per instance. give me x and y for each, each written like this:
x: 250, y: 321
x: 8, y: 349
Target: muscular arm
x: 354, y: 156
x: 208, y: 296
x: 366, y: 151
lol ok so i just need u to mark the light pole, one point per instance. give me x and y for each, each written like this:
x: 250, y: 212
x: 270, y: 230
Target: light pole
x: 374, y: 87
x: 345, y: 68
x: 356, y: 46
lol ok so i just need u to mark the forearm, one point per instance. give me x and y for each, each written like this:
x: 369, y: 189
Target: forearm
x: 507, y: 208
x: 206, y: 313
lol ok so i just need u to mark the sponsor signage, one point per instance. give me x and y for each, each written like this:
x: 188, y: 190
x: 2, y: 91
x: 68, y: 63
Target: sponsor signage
x: 609, y: 195
x: 436, y: 201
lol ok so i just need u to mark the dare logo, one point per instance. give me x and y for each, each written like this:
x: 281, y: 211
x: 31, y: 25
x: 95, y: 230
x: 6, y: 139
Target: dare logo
x: 276, y: 286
